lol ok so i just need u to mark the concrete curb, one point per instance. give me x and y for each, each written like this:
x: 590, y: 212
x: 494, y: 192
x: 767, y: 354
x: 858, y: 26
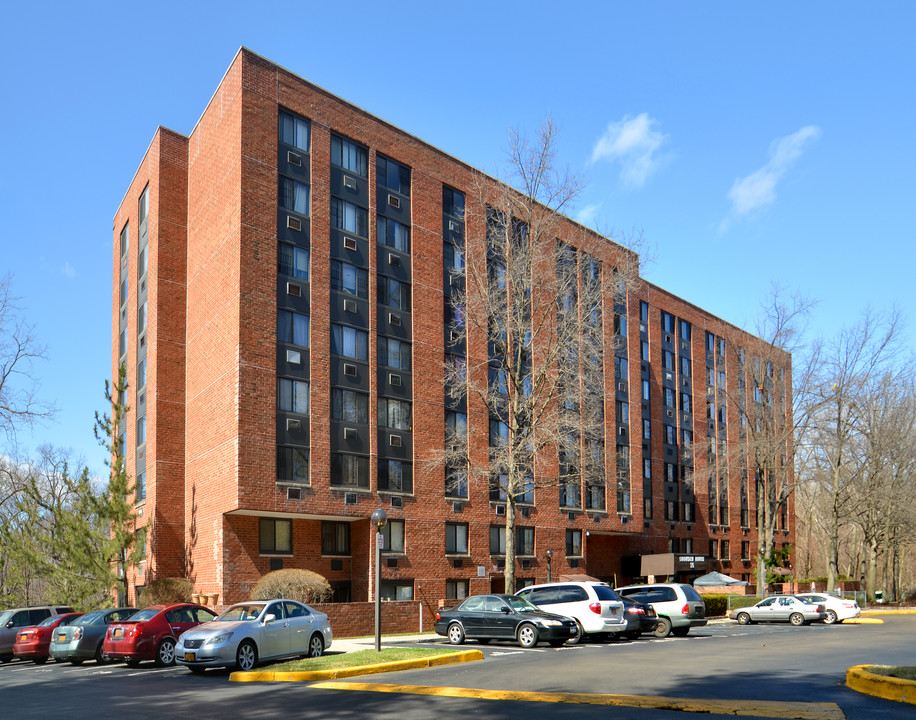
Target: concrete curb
x: 859, y: 678
x: 312, y: 675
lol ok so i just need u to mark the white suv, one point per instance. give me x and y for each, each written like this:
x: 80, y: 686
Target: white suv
x: 679, y: 607
x: 594, y: 606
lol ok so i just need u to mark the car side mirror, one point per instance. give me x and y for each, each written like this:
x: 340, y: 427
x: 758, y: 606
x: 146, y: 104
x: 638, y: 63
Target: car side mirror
x: 9, y: 624
x: 269, y: 618
x: 505, y: 609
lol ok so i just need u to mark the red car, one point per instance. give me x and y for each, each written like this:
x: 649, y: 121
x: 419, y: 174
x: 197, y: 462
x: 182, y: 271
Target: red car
x: 151, y: 633
x: 32, y: 643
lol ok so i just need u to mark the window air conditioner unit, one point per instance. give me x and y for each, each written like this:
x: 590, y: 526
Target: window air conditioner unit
x: 349, y: 243
x: 394, y: 320
x: 458, y: 507
x: 349, y: 305
x: 394, y: 440
x: 293, y: 158
x: 293, y: 493
x: 572, y: 516
x: 391, y: 563
x: 526, y: 512
x: 350, y: 433
x: 394, y: 380
x: 349, y: 369
x: 573, y: 563
x: 293, y: 223
x: 396, y: 501
x: 500, y: 563
x: 350, y: 498
x: 453, y: 226
x: 500, y: 509
x: 457, y: 562
x: 394, y: 260
x: 526, y: 564
x: 293, y: 425
x: 394, y: 201
x: 349, y: 182
x: 294, y: 289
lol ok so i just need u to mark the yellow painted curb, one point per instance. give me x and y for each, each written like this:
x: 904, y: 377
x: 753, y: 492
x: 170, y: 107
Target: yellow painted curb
x: 863, y: 621
x: 741, y: 708
x: 312, y: 675
x: 889, y: 612
x: 890, y: 688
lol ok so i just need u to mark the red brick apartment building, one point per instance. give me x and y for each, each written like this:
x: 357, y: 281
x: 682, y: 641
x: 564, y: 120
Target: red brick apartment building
x: 281, y: 277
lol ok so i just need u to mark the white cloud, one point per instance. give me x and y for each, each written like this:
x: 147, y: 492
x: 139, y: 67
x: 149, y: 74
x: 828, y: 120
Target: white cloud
x: 68, y: 270
x: 633, y: 142
x: 587, y: 215
x: 759, y: 188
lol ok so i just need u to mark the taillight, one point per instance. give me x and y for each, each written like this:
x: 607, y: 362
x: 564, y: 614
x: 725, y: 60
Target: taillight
x: 595, y: 607
x: 78, y: 633
x: 636, y: 611
x: 438, y: 616
x: 685, y: 610
x: 135, y: 631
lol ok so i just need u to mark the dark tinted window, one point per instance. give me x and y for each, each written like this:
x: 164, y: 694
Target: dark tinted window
x: 690, y: 593
x: 473, y: 604
x: 604, y: 593
x: 573, y: 593
x: 63, y: 609
x: 21, y: 619
x: 295, y: 610
x: 543, y: 596
x: 203, y: 615
x: 37, y: 615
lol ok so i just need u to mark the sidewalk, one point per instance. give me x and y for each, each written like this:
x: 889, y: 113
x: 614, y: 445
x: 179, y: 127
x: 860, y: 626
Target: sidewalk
x: 355, y: 644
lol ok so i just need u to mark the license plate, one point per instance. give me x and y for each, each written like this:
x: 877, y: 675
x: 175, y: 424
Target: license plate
x: 614, y: 612
x: 62, y: 637
x: 189, y: 657
x: 117, y: 632
x: 23, y: 636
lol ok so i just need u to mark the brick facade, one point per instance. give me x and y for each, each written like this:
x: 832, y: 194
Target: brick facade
x: 212, y: 388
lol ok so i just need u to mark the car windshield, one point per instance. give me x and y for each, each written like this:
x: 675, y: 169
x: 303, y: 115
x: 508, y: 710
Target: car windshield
x: 519, y: 604
x: 5, y: 617
x: 603, y: 592
x: 147, y: 614
x: 93, y: 618
x: 50, y: 620
x: 240, y: 612
x: 690, y: 593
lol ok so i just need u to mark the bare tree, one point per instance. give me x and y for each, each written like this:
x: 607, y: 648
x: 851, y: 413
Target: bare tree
x: 20, y: 405
x: 536, y: 298
x: 851, y: 364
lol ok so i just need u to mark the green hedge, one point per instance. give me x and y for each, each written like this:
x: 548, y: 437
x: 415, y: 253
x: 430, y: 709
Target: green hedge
x: 716, y: 605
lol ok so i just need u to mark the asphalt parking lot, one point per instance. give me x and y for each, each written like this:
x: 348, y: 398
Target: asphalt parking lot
x: 747, y: 666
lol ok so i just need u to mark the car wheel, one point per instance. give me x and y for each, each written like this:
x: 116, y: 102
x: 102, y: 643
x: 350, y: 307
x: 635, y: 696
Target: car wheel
x: 246, y: 657
x: 797, y: 619
x: 132, y: 662
x: 196, y: 669
x: 579, y: 636
x: 101, y: 657
x: 663, y: 629
x: 165, y: 653
x: 681, y: 631
x: 831, y: 617
x: 527, y: 635
x: 316, y: 646
x: 455, y: 634
x: 40, y: 660
x: 743, y: 619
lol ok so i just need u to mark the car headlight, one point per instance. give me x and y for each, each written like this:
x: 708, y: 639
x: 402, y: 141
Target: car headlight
x: 551, y: 623
x: 218, y: 639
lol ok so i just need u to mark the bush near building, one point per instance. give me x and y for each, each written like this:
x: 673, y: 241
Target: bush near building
x: 293, y: 584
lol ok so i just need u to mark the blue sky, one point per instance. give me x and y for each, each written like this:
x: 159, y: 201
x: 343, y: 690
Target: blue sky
x: 750, y: 142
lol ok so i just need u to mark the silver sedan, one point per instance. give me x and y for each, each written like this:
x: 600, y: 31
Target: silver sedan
x: 250, y: 632
x: 780, y: 608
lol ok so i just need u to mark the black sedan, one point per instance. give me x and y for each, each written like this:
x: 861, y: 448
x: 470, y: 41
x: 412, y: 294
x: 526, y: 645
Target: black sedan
x: 640, y: 618
x: 503, y: 617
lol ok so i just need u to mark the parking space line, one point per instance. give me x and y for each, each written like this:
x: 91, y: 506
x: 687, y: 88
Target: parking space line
x: 738, y: 708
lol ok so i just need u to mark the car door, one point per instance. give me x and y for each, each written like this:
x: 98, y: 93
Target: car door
x: 784, y: 608
x: 764, y: 611
x: 499, y: 620
x: 301, y: 622
x: 179, y: 620
x: 274, y: 634
x: 472, y: 616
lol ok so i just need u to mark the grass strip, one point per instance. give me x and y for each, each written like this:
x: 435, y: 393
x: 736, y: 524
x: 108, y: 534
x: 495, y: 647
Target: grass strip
x: 904, y: 672
x: 355, y: 659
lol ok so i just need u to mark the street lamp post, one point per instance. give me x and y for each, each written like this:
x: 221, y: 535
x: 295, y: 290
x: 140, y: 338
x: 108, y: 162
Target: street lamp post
x: 379, y: 520
x: 549, y: 558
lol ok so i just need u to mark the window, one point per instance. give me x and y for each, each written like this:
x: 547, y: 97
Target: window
x: 623, y: 412
x: 670, y: 510
x: 335, y: 538
x: 142, y: 263
x: 453, y: 258
x: 122, y: 343
x: 393, y: 234
x: 349, y: 217
x: 349, y: 342
x: 141, y: 317
x: 724, y: 550
x: 687, y: 438
x: 293, y: 261
x: 393, y: 293
x: 393, y: 175
x: 684, y: 328
x: 643, y: 312
x: 667, y: 360
x: 276, y: 536
x: 452, y: 202
x: 670, y: 473
x: 294, y: 195
x: 141, y: 374
x: 143, y: 207
x: 294, y: 131
x: 646, y: 429
x: 620, y: 325
x: 573, y: 543
x: 393, y: 536
x: 456, y: 538
x: 644, y: 350
x: 688, y: 512
x: 498, y: 539
x: 141, y: 430
x: 620, y: 368
x: 499, y: 433
x: 293, y: 464
x: 456, y: 589
x: 393, y: 353
x: 396, y: 590
x: 668, y: 397
x: 685, y: 366
x: 394, y: 414
x: 456, y: 480
x: 647, y: 468
x: 745, y: 550
x: 349, y: 406
x: 293, y: 395
x: 720, y: 349
x: 140, y: 487
x: 456, y: 424
x: 395, y: 476
x: 349, y: 279
x: 685, y: 402
x: 350, y: 471
x: 524, y: 540
x: 667, y: 322
x: 125, y: 240
x: 349, y: 156
x: 293, y: 328
x: 123, y: 294
x: 645, y: 390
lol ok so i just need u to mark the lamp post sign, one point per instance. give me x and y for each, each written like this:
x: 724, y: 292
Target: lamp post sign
x: 379, y: 520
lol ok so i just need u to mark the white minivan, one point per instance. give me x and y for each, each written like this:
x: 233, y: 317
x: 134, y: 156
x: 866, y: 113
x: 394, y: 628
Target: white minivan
x: 593, y: 605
